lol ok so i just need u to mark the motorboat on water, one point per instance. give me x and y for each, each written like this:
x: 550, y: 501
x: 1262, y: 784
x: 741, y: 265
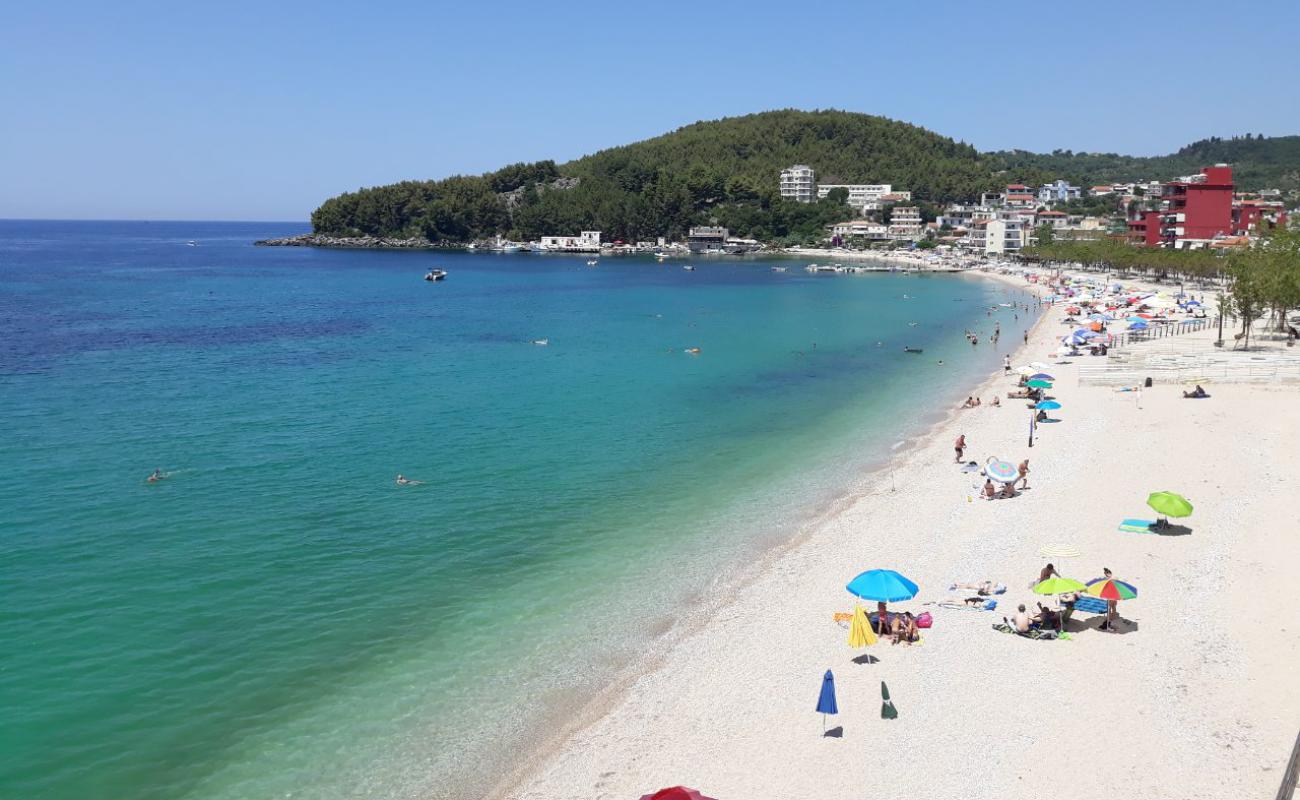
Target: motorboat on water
x: 436, y: 275
x: 192, y: 243
x: 912, y: 350
x: 689, y: 268
x: 778, y: 269
x: 592, y: 263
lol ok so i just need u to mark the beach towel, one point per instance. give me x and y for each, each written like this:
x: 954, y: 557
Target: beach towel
x: 1136, y: 525
x: 1091, y: 605
x: 998, y: 588
x: 1035, y: 634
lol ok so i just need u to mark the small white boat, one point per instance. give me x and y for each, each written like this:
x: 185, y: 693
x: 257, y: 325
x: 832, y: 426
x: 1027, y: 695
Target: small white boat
x: 778, y: 269
x: 592, y: 263
x: 192, y: 243
x: 436, y: 275
x: 541, y: 342
x: 689, y: 268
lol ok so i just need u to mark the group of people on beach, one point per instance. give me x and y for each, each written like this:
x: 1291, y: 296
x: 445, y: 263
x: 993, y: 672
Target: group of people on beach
x: 975, y: 402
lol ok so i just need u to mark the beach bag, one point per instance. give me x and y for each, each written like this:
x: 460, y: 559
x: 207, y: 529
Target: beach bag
x: 924, y: 620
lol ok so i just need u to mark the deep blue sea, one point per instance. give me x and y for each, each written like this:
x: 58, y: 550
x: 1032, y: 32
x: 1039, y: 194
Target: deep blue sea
x: 278, y: 618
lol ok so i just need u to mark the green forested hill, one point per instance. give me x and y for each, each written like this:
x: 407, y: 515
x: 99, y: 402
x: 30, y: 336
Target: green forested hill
x: 726, y: 171
x: 1258, y: 163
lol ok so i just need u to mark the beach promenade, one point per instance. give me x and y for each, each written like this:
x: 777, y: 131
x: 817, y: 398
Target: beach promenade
x: 1194, y: 698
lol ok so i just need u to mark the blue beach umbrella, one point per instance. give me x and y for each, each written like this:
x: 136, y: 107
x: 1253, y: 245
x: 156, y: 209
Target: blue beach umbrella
x: 1041, y: 376
x: 826, y: 701
x: 882, y: 585
x: 1138, y: 326
x: 1048, y: 405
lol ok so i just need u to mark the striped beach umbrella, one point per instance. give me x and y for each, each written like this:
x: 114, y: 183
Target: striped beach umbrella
x: 1041, y: 376
x: 1001, y: 471
x: 1110, y: 589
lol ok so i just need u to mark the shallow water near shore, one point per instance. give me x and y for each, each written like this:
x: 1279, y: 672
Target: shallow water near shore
x: 278, y: 618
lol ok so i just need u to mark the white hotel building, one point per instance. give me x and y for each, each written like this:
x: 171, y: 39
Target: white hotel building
x: 865, y: 196
x: 799, y: 183
x: 586, y: 242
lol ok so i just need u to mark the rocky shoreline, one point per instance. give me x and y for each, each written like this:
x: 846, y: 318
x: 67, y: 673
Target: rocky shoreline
x: 356, y: 242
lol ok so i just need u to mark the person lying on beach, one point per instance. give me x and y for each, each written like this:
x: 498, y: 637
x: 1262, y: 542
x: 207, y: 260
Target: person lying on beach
x: 1197, y: 393
x: 997, y: 403
x: 404, y: 481
x: 982, y: 588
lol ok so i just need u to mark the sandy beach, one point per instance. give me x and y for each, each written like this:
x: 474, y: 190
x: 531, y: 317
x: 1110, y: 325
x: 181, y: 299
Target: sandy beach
x: 1193, y: 698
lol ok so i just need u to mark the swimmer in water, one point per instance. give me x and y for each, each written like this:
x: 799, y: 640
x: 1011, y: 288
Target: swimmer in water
x: 402, y: 480
x: 157, y: 475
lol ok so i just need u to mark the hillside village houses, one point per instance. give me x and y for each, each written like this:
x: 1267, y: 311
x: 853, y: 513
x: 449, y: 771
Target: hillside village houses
x: 1193, y: 211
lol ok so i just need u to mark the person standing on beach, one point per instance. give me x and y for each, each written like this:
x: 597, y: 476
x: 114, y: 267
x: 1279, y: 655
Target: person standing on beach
x: 1023, y: 469
x: 1006, y: 364
x: 1026, y: 337
x: 960, y: 447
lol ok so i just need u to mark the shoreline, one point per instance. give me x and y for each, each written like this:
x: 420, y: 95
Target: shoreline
x: 748, y: 703
x: 695, y: 619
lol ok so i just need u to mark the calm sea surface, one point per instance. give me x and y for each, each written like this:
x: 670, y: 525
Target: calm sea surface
x: 278, y: 618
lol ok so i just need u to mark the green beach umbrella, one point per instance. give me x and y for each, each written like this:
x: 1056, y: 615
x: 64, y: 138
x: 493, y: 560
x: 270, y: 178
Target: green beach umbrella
x: 1039, y: 384
x: 1170, y: 504
x: 887, y: 710
x: 1058, y: 585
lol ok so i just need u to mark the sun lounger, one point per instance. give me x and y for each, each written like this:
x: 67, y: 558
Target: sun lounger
x: 1136, y: 525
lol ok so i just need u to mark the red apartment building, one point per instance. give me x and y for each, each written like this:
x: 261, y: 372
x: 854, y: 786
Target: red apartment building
x: 1195, y: 211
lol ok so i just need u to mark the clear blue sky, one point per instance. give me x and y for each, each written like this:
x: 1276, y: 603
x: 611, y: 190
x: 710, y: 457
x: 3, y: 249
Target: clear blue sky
x: 240, y: 110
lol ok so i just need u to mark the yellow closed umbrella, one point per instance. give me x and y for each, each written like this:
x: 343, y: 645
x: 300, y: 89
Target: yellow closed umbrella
x: 860, y: 633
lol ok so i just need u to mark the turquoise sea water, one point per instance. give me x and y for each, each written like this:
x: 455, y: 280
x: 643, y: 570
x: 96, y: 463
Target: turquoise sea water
x: 278, y: 618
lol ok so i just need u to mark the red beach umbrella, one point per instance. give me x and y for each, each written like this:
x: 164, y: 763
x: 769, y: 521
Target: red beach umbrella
x: 675, y: 793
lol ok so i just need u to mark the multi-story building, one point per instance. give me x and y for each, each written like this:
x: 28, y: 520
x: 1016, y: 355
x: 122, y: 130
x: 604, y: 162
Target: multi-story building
x: 1057, y: 192
x: 703, y: 238
x: 1193, y: 211
x: 799, y: 183
x: 586, y: 242
x: 1003, y: 236
x: 860, y: 194
x: 860, y: 229
x: 1018, y: 194
x: 905, y: 223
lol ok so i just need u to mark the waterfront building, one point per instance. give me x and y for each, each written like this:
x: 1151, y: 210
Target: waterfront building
x: 705, y: 238
x: 860, y: 229
x: 1193, y: 211
x: 799, y: 183
x: 1057, y: 192
x: 905, y: 223
x: 1005, y: 235
x: 586, y: 242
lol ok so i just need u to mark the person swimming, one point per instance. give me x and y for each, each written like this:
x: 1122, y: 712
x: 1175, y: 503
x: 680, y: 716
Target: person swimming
x: 402, y: 480
x: 158, y: 475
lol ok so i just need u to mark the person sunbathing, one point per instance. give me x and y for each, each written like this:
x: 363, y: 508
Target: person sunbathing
x: 1008, y: 491
x: 982, y: 588
x: 1196, y: 393
x: 1022, y: 621
x: 996, y: 402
